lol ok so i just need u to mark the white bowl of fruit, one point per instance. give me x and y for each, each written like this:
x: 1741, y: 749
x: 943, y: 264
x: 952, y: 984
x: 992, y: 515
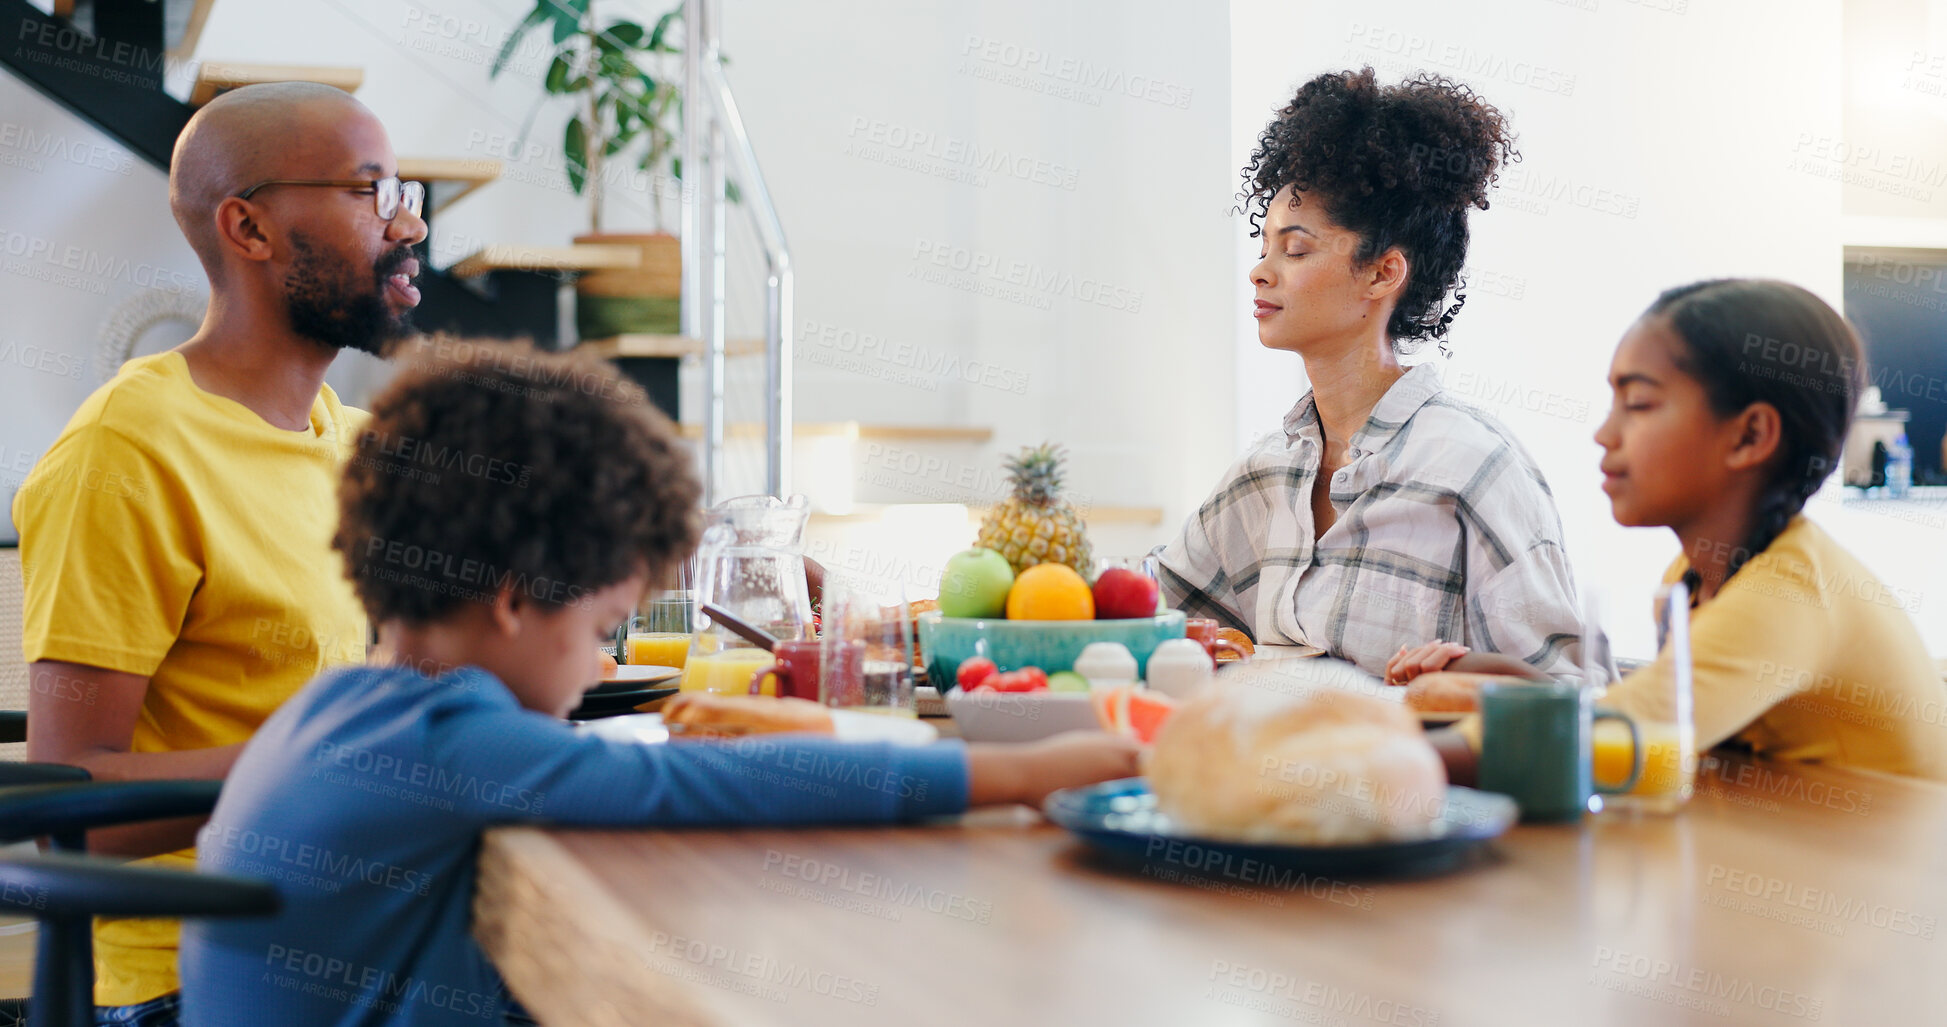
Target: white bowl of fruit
x: 991, y: 705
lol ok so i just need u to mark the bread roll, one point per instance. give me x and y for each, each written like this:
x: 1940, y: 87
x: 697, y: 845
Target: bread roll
x: 1240, y: 639
x: 1446, y: 692
x: 706, y: 715
x: 1324, y: 768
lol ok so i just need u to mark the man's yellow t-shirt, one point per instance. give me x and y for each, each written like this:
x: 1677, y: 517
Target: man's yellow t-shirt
x: 175, y: 534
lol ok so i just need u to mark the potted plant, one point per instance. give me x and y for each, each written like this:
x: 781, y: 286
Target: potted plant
x: 628, y: 109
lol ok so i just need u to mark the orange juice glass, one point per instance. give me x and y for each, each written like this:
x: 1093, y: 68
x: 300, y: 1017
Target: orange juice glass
x: 728, y: 672
x: 659, y: 648
x: 1669, y: 768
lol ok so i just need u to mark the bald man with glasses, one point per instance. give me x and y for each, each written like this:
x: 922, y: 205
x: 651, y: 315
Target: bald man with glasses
x: 175, y: 539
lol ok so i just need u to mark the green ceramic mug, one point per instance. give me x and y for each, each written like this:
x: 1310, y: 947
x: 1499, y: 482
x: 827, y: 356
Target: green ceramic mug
x: 1536, y: 747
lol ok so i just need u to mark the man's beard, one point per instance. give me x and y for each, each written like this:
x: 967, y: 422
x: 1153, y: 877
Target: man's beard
x: 336, y: 314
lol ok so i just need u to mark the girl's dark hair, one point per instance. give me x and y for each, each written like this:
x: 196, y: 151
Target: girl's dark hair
x: 1398, y: 166
x: 1758, y: 341
x: 490, y: 465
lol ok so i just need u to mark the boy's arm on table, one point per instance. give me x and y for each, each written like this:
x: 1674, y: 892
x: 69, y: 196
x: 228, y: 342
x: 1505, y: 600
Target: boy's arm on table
x: 544, y: 770
x: 85, y: 716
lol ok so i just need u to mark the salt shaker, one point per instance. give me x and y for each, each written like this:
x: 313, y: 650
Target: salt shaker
x: 1179, y: 667
x: 1106, y: 665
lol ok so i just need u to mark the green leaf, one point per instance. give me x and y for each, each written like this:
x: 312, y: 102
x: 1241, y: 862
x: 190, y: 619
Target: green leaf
x: 534, y: 17
x: 617, y: 65
x: 676, y: 168
x: 575, y: 145
x: 657, y: 40
x: 626, y: 34
x: 619, y: 141
x: 637, y: 107
x: 557, y: 80
x: 731, y: 192
x: 565, y: 25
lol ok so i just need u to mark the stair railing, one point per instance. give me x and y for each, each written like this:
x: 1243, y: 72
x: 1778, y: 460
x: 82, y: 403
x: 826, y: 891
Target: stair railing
x: 711, y: 125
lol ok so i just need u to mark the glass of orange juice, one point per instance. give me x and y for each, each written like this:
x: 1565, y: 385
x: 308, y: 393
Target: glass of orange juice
x: 727, y: 671
x: 660, y: 635
x: 1670, y: 738
x: 1669, y: 765
x: 659, y: 648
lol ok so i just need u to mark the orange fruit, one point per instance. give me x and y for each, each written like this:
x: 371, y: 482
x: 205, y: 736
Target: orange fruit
x: 608, y: 665
x: 1050, y: 591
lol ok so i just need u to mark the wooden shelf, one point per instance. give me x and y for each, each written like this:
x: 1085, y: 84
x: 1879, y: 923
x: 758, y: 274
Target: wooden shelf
x: 1139, y: 515
x: 511, y: 257
x: 668, y: 346
x: 928, y: 433
x: 214, y: 77
x: 1103, y: 514
x: 448, y: 178
x: 854, y: 430
x: 1896, y: 233
x: 192, y: 29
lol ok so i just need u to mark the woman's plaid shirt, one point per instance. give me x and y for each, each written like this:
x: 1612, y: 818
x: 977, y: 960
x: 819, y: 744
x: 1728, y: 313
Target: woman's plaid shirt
x: 1445, y: 530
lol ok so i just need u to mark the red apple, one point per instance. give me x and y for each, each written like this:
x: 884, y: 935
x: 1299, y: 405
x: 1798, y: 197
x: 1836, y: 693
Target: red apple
x: 1121, y: 593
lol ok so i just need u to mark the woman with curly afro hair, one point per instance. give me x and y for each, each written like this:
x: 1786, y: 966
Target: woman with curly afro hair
x: 1386, y: 511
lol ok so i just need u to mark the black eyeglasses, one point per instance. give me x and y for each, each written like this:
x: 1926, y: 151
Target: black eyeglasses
x: 387, y: 193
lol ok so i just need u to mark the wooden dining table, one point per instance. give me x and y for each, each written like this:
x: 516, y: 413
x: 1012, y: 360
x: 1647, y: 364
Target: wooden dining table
x: 1783, y: 893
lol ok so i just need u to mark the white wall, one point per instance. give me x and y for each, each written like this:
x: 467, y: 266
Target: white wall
x: 1114, y: 328
x: 832, y: 103
x: 1097, y: 225
x: 84, y: 226
x: 1655, y: 137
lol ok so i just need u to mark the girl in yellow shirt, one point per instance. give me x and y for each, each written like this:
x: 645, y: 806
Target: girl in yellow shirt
x: 1732, y: 400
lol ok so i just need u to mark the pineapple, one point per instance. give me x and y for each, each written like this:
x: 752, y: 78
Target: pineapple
x: 1035, y: 525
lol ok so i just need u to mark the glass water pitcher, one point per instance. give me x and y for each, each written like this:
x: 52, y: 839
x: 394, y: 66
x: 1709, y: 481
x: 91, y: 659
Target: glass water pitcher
x: 751, y: 563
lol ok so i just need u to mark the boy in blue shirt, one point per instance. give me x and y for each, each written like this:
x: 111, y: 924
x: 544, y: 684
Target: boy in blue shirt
x: 501, y: 517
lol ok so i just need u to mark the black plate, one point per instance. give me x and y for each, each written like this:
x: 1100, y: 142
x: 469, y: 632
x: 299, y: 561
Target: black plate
x: 1120, y: 819
x: 608, y: 687
x: 609, y: 704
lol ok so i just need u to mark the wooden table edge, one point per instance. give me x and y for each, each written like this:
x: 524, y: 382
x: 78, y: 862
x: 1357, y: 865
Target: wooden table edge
x: 524, y: 871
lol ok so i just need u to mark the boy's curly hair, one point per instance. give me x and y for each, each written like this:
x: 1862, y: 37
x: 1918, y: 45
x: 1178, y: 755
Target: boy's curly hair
x: 491, y: 465
x: 1396, y: 165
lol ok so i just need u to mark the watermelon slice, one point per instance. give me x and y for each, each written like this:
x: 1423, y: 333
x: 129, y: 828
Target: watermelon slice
x: 1146, y: 711
x: 1111, y: 708
x: 1128, y: 710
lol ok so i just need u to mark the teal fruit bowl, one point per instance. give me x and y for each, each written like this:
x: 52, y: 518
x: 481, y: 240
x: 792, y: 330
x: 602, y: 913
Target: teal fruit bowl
x: 1052, y: 645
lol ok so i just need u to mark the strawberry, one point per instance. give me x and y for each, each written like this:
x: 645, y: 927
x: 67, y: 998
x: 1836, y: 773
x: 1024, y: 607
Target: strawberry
x: 973, y: 671
x: 1027, y: 679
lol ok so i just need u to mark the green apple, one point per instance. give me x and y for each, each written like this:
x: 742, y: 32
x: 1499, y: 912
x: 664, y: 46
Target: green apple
x: 975, y: 584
